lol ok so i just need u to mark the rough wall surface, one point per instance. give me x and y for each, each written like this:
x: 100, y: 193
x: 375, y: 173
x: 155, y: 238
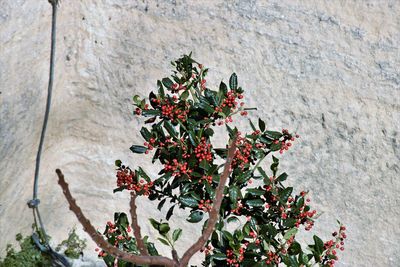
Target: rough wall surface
x: 329, y: 70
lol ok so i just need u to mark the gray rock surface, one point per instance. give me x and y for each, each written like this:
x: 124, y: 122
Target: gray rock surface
x: 329, y: 70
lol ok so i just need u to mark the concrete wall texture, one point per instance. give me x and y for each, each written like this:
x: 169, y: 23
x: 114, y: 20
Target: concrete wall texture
x: 329, y: 70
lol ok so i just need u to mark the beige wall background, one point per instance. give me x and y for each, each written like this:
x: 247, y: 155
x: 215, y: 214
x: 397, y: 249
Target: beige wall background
x: 329, y: 70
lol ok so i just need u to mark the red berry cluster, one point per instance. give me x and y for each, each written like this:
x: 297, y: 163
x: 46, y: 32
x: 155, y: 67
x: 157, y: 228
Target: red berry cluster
x: 206, y: 178
x: 230, y: 100
x: 332, y: 245
x: 205, y: 205
x: 126, y: 177
x: 243, y: 152
x: 305, y: 217
x: 177, y: 168
x: 203, y: 84
x: 288, y: 243
x: 149, y: 145
x: 176, y: 87
x: 170, y: 109
x: 203, y: 151
x: 286, y: 143
x: 272, y: 258
x: 233, y: 259
x: 207, y: 249
x: 238, y: 208
x: 113, y: 232
x: 173, y: 112
x: 138, y: 111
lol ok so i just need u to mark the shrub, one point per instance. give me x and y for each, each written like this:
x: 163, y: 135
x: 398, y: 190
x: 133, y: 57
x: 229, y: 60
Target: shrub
x: 267, y: 214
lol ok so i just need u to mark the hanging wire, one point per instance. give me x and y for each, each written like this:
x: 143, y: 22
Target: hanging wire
x: 40, y: 237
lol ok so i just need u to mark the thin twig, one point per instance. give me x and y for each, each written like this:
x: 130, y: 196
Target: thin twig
x: 136, y: 227
x: 214, y: 213
x: 175, y: 255
x: 99, y: 240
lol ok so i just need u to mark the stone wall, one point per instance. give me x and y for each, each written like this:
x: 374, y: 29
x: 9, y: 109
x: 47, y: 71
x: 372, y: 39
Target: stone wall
x: 329, y: 70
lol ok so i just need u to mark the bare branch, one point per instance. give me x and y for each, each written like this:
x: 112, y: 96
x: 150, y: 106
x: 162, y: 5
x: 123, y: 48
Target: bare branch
x: 136, y: 227
x: 214, y: 213
x: 99, y: 240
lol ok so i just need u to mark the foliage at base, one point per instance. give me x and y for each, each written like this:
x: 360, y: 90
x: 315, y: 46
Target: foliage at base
x: 30, y: 256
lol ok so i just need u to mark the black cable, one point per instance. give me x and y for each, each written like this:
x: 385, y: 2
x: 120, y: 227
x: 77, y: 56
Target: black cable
x: 40, y: 237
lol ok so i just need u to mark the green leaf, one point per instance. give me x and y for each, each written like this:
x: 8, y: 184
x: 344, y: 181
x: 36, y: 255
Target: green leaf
x: 137, y: 100
x: 255, y: 202
x: 304, y: 258
x: 119, y: 189
x: 152, y: 97
x: 143, y: 175
x: 294, y: 249
x: 234, y: 193
x: 275, y: 147
x: 233, y: 219
x: 253, y: 223
x: 167, y: 82
x: 195, y: 216
x: 221, y: 152
x: 160, y: 89
x: 170, y: 212
x: 122, y: 220
x: 282, y: 177
x: 274, y: 167
x: 170, y: 129
x: 218, y: 256
x: 252, y: 126
x: 289, y: 222
x: 165, y: 242
x: 206, y: 107
x: 209, y: 132
x: 285, y: 194
x: 223, y: 90
x: 184, y: 95
x: 290, y: 261
x: 145, y: 133
x: 255, y: 191
x: 152, y: 250
x: 211, y: 97
x: 262, y: 172
x: 192, y: 138
x: 161, y: 204
x: 189, y: 201
x: 270, y: 229
x: 319, y: 244
x: 154, y: 223
x: 290, y: 233
x: 176, y: 234
x: 233, y: 83
x: 246, y: 229
x: 118, y: 163
x: 204, y: 165
x: 273, y: 134
x: 138, y: 149
x: 151, y: 112
x: 232, y: 132
x: 261, y: 124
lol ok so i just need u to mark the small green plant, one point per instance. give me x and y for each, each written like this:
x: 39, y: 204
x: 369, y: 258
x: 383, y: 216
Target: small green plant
x: 30, y: 256
x: 73, y: 246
